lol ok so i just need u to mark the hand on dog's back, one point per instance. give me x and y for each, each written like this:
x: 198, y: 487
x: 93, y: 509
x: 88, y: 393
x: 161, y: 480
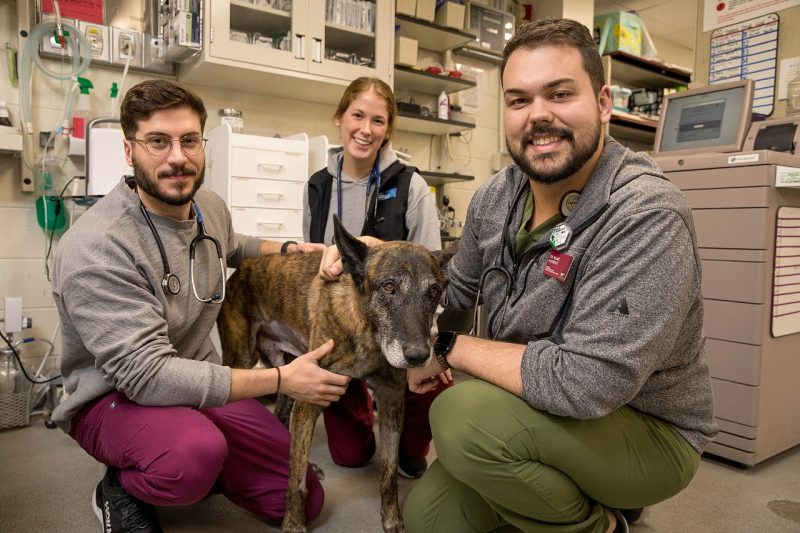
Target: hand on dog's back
x: 304, y: 380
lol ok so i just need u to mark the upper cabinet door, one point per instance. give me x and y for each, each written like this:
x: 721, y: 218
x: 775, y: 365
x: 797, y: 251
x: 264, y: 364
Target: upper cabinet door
x: 264, y: 32
x: 349, y: 39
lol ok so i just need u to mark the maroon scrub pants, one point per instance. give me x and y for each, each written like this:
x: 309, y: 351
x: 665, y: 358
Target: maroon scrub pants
x: 349, y: 421
x: 174, y: 455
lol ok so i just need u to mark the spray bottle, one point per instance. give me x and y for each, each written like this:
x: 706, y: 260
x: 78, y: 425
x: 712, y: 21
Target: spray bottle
x: 444, y: 106
x: 82, y: 113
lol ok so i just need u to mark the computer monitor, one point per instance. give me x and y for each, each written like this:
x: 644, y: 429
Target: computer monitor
x: 711, y: 119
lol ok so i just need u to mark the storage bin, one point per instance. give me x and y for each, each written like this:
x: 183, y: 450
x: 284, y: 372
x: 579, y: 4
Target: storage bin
x: 451, y: 15
x: 405, y: 51
x: 406, y: 7
x: 619, y: 31
x: 15, y: 407
x: 426, y: 10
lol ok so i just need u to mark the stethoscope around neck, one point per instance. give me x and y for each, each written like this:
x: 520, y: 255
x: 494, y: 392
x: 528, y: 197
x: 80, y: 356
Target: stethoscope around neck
x: 170, y: 283
x: 498, y: 267
x: 374, y: 177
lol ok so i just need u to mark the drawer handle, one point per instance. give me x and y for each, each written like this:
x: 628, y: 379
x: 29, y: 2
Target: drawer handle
x: 270, y: 195
x: 270, y: 166
x: 270, y: 224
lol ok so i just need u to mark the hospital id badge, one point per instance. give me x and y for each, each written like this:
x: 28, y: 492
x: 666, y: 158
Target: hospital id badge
x: 560, y: 236
x: 558, y: 265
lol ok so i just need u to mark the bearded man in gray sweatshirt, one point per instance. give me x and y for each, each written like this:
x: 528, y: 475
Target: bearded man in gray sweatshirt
x: 147, y: 395
x: 593, y: 394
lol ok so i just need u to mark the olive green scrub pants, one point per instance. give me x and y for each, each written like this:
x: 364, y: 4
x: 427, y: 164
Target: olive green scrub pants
x: 505, y: 466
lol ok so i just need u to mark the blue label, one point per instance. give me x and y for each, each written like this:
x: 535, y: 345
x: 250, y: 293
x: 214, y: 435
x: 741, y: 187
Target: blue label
x: 388, y: 195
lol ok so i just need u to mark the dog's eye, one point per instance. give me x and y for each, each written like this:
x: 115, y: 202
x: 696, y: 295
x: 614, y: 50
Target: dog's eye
x: 388, y: 287
x: 434, y: 292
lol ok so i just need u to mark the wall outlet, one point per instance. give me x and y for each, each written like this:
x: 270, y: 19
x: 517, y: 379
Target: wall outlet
x: 126, y: 46
x: 99, y: 40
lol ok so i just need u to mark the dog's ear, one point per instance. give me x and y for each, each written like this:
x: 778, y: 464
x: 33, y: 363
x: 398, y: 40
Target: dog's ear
x: 353, y: 252
x: 444, y: 256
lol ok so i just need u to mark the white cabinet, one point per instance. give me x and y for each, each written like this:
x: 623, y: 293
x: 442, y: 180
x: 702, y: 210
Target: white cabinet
x: 261, y: 179
x: 302, y: 49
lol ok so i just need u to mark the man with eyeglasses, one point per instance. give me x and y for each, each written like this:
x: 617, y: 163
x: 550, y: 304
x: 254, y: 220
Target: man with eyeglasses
x: 146, y: 393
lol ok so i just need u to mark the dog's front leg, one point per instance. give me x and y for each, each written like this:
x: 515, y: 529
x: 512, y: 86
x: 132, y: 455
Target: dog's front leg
x: 301, y: 427
x: 390, y: 395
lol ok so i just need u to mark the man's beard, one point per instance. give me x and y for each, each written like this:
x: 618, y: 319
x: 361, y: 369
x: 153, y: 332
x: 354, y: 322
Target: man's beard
x: 144, y: 183
x: 578, y: 157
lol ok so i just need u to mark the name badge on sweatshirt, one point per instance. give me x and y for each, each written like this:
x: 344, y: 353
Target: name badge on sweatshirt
x: 560, y: 236
x: 558, y: 265
x: 388, y: 195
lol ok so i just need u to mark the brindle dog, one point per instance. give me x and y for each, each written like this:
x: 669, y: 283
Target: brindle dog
x: 381, y: 315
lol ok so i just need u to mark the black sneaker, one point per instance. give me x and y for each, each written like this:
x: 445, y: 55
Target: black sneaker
x: 411, y: 468
x: 622, y: 525
x: 118, y: 511
x: 631, y: 515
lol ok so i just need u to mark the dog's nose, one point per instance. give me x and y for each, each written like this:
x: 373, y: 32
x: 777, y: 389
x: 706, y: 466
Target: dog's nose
x: 417, y: 357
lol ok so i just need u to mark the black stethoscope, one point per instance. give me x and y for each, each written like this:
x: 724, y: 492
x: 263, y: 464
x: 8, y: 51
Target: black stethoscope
x: 170, y: 283
x: 374, y: 177
x: 559, y: 239
x: 498, y: 267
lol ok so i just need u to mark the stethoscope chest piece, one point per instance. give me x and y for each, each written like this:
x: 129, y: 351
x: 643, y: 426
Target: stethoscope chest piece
x: 171, y: 284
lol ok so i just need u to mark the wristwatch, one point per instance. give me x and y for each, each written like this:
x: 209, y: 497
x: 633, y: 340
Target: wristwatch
x: 444, y: 342
x: 285, y: 246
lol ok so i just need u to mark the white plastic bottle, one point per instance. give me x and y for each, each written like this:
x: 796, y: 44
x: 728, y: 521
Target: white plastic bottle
x: 444, y: 106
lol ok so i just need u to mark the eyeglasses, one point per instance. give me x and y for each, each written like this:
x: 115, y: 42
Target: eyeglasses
x: 161, y: 145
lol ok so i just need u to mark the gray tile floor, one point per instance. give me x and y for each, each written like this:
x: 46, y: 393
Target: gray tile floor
x: 46, y: 482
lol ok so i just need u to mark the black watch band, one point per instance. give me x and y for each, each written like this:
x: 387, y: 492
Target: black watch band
x: 444, y: 342
x: 285, y: 246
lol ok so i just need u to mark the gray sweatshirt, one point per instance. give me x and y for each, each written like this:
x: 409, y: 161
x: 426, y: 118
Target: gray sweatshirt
x: 422, y: 220
x: 119, y: 329
x: 625, y: 327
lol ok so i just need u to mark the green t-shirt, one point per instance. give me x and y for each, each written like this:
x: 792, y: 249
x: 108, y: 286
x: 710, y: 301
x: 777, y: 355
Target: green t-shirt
x: 526, y: 239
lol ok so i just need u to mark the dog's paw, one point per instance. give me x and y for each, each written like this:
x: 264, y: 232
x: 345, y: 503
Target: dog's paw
x: 393, y: 527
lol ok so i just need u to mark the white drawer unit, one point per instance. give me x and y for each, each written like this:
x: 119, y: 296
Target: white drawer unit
x: 269, y: 164
x: 261, y: 179
x: 278, y: 224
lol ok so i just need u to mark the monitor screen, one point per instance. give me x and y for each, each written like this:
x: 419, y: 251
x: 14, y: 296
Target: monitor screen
x: 708, y: 119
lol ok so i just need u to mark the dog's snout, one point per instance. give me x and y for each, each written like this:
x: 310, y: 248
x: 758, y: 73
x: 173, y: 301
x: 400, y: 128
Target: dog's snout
x: 417, y: 357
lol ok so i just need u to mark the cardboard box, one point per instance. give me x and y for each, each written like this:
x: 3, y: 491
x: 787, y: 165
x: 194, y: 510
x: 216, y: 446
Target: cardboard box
x: 426, y: 10
x: 406, y: 7
x: 405, y: 51
x: 451, y: 14
x: 619, y: 31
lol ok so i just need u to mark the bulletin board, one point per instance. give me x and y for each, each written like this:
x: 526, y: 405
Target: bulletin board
x: 748, y: 50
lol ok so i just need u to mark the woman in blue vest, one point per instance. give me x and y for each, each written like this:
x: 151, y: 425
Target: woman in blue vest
x: 374, y: 194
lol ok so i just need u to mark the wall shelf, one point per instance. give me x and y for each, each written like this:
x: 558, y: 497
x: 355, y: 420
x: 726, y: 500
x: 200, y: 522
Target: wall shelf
x: 427, y: 83
x: 481, y: 55
x: 637, y: 71
x: 430, y: 125
x: 440, y: 178
x: 432, y: 36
